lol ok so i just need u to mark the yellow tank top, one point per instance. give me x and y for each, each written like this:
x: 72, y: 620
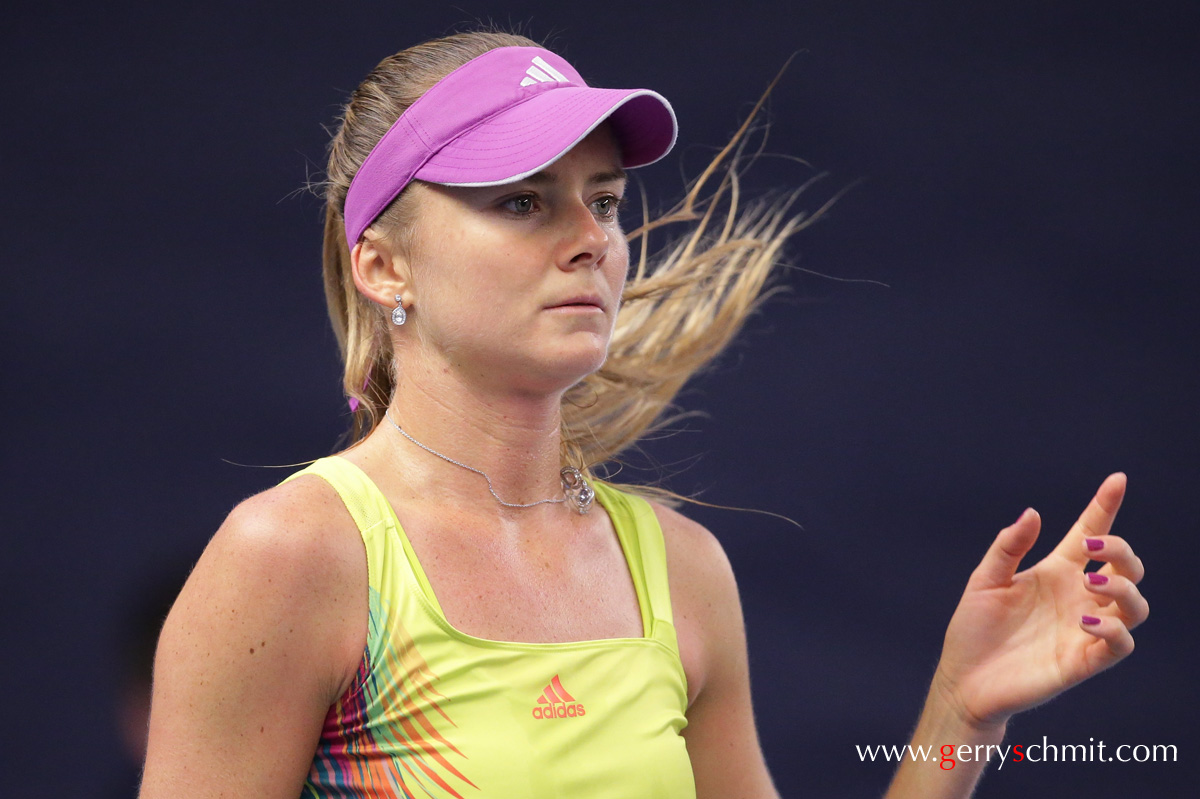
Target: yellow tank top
x: 434, y: 712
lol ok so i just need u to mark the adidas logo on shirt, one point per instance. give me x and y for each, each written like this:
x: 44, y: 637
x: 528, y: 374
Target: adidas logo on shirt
x: 555, y: 702
x: 541, y: 72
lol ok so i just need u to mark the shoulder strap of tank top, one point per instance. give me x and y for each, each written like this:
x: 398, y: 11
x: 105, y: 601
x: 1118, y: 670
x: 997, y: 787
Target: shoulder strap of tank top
x: 637, y: 526
x: 351, y: 485
x: 374, y: 516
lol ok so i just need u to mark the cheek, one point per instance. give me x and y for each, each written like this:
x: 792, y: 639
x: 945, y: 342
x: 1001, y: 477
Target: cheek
x: 463, y: 290
x: 616, y: 266
x: 458, y: 305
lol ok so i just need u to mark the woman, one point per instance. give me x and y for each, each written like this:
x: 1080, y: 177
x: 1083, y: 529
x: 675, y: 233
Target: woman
x: 527, y: 630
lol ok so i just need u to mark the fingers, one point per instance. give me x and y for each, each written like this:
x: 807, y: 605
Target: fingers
x: 1114, y: 584
x: 1097, y: 518
x: 1116, y: 554
x: 1118, y: 641
x: 1132, y: 607
x: 1004, y: 555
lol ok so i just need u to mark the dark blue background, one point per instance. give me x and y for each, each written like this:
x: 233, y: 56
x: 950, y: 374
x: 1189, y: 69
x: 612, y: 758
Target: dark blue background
x: 1029, y: 194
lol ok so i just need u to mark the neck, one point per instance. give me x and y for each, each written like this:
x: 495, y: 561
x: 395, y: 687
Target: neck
x: 513, y: 438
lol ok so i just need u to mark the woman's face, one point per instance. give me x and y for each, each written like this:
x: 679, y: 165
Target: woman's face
x: 521, y: 283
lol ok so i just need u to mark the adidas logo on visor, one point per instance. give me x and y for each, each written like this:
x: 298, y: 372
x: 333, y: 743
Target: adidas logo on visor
x: 541, y: 72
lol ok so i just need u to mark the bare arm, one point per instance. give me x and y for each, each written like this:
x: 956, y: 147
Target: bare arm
x: 264, y: 637
x: 722, y: 741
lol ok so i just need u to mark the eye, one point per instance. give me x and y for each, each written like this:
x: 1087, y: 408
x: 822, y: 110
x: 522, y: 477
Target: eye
x: 522, y: 204
x: 608, y: 206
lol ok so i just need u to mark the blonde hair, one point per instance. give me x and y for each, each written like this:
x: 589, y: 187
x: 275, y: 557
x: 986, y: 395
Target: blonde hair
x: 677, y: 313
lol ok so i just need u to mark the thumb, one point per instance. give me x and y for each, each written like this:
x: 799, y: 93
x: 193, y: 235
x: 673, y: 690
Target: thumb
x: 998, y: 566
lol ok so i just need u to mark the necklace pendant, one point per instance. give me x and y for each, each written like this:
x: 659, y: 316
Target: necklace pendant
x: 584, y: 498
x: 580, y: 494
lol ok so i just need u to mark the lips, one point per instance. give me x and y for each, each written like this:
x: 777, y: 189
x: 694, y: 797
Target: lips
x: 580, y: 300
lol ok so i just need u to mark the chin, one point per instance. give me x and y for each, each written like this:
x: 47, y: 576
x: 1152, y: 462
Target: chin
x: 565, y: 369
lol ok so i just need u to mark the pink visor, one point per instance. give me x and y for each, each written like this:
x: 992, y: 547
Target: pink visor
x: 499, y: 118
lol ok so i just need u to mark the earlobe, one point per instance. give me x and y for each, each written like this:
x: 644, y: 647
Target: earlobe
x: 379, y: 273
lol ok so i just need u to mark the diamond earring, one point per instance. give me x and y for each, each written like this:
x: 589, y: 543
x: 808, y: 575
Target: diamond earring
x: 398, y: 315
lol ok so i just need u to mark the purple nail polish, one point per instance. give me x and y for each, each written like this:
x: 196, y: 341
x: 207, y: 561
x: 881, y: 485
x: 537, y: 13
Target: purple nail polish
x: 1097, y: 579
x: 1090, y: 620
x: 1095, y: 544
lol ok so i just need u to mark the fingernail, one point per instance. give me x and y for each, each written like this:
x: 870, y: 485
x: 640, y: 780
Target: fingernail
x: 1090, y: 620
x: 1097, y: 579
x: 1095, y: 544
x: 1024, y: 513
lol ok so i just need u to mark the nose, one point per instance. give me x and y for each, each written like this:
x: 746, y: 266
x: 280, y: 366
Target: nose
x: 585, y: 240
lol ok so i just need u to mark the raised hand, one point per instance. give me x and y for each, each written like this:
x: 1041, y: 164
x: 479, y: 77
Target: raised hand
x: 1019, y: 638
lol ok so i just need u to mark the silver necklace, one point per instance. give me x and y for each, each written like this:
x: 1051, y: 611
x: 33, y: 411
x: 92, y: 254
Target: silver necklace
x: 576, y: 489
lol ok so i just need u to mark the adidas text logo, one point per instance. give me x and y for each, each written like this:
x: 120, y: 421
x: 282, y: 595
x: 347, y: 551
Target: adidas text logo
x: 541, y: 72
x: 556, y: 703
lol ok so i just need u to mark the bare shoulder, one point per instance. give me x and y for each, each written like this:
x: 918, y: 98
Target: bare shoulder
x: 293, y: 547
x: 286, y: 564
x: 266, y: 634
x: 300, y: 526
x: 696, y: 561
x: 294, y: 542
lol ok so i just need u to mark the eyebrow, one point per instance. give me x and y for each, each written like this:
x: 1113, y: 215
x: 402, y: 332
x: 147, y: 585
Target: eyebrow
x: 607, y: 176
